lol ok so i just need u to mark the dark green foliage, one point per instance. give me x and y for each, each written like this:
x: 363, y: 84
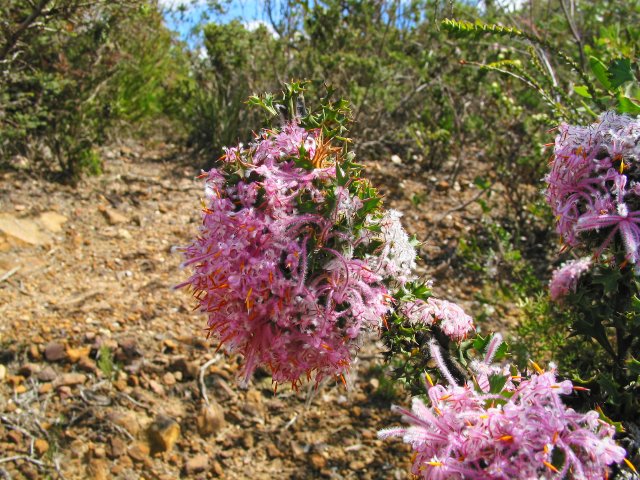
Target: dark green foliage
x: 593, y: 335
x: 71, y: 70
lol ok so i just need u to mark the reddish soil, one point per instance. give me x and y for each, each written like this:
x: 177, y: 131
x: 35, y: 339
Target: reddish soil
x: 100, y: 358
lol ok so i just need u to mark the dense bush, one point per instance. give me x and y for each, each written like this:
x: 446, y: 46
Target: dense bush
x: 72, y: 69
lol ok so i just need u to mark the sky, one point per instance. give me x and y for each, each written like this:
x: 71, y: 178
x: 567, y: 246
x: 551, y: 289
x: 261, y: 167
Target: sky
x: 247, y: 11
x: 250, y: 12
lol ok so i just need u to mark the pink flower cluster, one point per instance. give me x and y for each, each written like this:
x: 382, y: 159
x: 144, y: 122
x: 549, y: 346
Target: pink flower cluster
x: 447, y: 316
x: 523, y: 432
x: 274, y: 266
x: 565, y: 279
x: 594, y: 184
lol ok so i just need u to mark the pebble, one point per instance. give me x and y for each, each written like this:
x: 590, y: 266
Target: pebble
x: 45, y: 388
x: 127, y: 420
x: 47, y: 374
x: 75, y: 354
x: 87, y: 364
x: 34, y: 352
x: 210, y: 419
x: 113, y: 217
x: 139, y: 451
x: 163, y: 433
x: 98, y: 469
x: 3, y: 372
x: 156, y: 388
x: 317, y: 461
x: 55, y: 352
x: 188, y: 369
x: 169, y: 379
x: 196, y: 464
x: 29, y: 369
x: 14, y: 436
x: 41, y: 446
x: 70, y: 379
x: 442, y: 186
x: 117, y: 447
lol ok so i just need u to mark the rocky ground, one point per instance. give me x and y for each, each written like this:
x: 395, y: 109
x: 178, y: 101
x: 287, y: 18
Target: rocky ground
x: 106, y: 373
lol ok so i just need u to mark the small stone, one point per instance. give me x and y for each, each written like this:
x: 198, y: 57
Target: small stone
x: 197, y: 464
x: 368, y: 435
x: 124, y: 234
x: 120, y: 385
x: 217, y: 469
x: 29, y: 369
x: 123, y: 464
x: 64, y: 392
x: 47, y: 374
x: 41, y: 446
x: 442, y: 186
x: 170, y: 344
x: 14, y: 436
x: 113, y: 217
x: 45, y: 388
x: 128, y: 350
x: 98, y: 469
x: 75, y: 354
x: 55, y: 352
x: 15, y: 380
x: 21, y: 231
x: 247, y: 440
x: 69, y: 380
x: 117, y: 447
x: 20, y: 389
x: 168, y: 379
x: 126, y: 420
x: 34, y: 352
x: 357, y: 465
x: 210, y: 419
x: 156, y: 388
x: 3, y: 372
x: 139, y: 451
x: 254, y: 405
x: 99, y: 452
x: 189, y: 370
x: 53, y: 221
x: 317, y: 461
x: 375, y: 383
x: 87, y: 364
x: 163, y: 433
x: 272, y: 451
x: 396, y: 159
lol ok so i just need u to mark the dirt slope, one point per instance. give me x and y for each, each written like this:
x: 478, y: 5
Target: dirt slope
x: 100, y: 359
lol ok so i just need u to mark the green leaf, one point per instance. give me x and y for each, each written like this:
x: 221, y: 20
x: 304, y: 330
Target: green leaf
x: 600, y: 71
x: 626, y: 105
x: 497, y: 383
x: 501, y: 352
x: 582, y: 90
x: 634, y: 366
x: 617, y: 425
x: 619, y: 72
x: 609, y: 280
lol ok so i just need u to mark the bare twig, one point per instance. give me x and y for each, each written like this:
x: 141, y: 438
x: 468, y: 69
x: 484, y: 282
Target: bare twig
x: 574, y: 31
x: 134, y: 401
x: 26, y: 458
x: 9, y: 274
x: 122, y: 430
x: 203, y: 372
